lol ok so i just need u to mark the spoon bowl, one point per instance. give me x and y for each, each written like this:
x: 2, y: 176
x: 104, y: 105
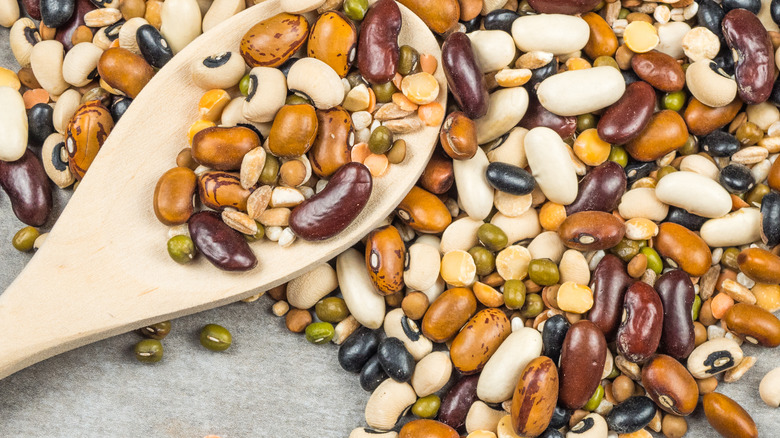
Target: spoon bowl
x: 104, y: 268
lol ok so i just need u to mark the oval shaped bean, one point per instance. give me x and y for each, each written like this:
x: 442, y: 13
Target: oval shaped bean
x: 665, y: 133
x: 478, y: 340
x: 510, y: 179
x: 448, y: 313
x: 754, y: 324
x: 695, y: 193
x: 125, y: 71
x: 714, y: 357
x: 397, y: 362
x: 223, y: 246
x: 378, y: 50
x: 274, y: 40
x: 610, y: 282
x: 464, y: 75
x: 372, y: 374
x: 493, y: 49
x: 55, y: 13
x: 769, y: 388
x: 427, y: 428
x: 582, y: 363
x: 317, y: 81
x: 385, y: 258
x: 357, y: 349
x: 624, y: 120
x: 154, y: 48
x: 754, y: 71
x: 770, y: 219
x: 555, y: 33
x: 551, y: 165
x: 535, y: 396
x: 13, y: 123
x: 27, y: 186
x: 506, y: 109
x: 46, y: 60
x: 331, y: 148
x: 181, y: 23
x: 498, y: 377
x: 737, y: 228
x: 455, y: 405
x: 333, y: 40
x: 424, y: 212
x: 659, y: 70
x: 86, y: 132
x: 367, y: 306
x: 600, y: 189
x: 553, y: 335
x: 760, y: 265
x: 223, y: 148
x: 439, y: 15
x: 173, y: 196
x: 591, y: 231
x: 219, y: 190
x: 576, y: 92
x: 686, y: 249
x: 670, y: 385
x: 725, y: 415
x: 474, y: 192
x: 631, y: 415
x: 431, y: 373
x: 702, y: 119
x: 677, y: 294
x: 708, y: 86
x: 536, y: 115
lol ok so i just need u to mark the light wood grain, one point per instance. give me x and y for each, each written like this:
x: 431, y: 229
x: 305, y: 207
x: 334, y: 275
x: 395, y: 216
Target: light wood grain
x: 104, y: 268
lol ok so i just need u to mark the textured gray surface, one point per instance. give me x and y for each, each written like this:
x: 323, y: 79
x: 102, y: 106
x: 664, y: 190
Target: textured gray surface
x: 270, y: 383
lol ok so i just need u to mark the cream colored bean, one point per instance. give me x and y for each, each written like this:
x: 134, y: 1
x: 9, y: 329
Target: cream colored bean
x: 128, y: 33
x: 698, y: 164
x: 13, y: 125
x: 220, y: 11
x: 362, y: 432
x: 46, y: 60
x: 547, y: 245
x: 102, y: 17
x: 431, y: 373
x: 592, y: 426
x: 304, y: 292
x: 181, y: 23
x: 769, y: 389
x: 499, y: 376
x: 64, y: 109
x: 512, y: 205
x: 644, y: 203
x: 56, y: 167
x: 734, y: 229
x: 460, y: 234
x: 760, y: 170
x: 507, y: 107
x: 512, y: 150
x: 397, y: 325
x: 22, y: 37
x: 80, y: 64
x: 670, y: 36
x: 386, y: 404
x: 555, y: 33
x: 512, y: 262
x: 763, y: 115
x: 482, y: 417
x: 429, y: 239
x: 581, y: 91
x: 474, y: 192
x: 551, y: 165
x: 300, y: 6
x: 318, y: 81
x: 525, y: 226
x: 714, y: 357
x: 9, y: 12
x: 709, y: 87
x: 695, y: 193
x: 434, y: 291
x: 267, y: 94
x: 700, y: 43
x: 359, y: 292
x: 233, y: 114
x: 574, y: 267
x: 641, y: 229
x: 424, y: 266
x: 493, y: 49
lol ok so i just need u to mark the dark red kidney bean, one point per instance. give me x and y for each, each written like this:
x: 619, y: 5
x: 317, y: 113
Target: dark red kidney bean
x: 536, y: 115
x: 610, y: 281
x: 677, y: 294
x: 33, y: 8
x: 553, y: 334
x: 582, y: 363
x: 625, y: 119
x: 591, y: 230
x: 719, y: 144
x: 568, y: 7
x: 65, y: 32
x: 600, y: 189
x: 751, y: 5
x: 378, y: 50
x: 755, y: 69
x: 633, y: 414
x: 55, y: 13
x: 639, y: 334
x: 39, y: 123
x: 372, y: 374
x: 27, y: 186
x: 659, y: 70
x: 510, y: 179
x: 397, y: 362
x: 464, y: 76
x: 330, y: 211
x: 357, y: 349
x: 736, y: 178
x: 439, y: 174
x: 710, y: 15
x: 455, y: 405
x: 223, y: 246
x: 682, y: 217
x: 770, y: 219
x: 500, y: 19
x: 154, y: 48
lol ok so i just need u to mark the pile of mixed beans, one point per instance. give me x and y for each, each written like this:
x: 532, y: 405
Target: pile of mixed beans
x: 585, y: 255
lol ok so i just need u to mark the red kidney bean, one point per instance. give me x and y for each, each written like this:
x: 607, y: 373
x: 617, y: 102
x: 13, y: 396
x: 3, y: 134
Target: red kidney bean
x: 464, y: 76
x: 659, y: 70
x: 676, y: 291
x: 223, y: 246
x: 600, y: 190
x: 378, y: 50
x: 65, y: 32
x: 33, y: 8
x: 536, y: 115
x: 591, y: 230
x: 329, y: 212
x: 629, y: 116
x: 27, y: 186
x: 568, y: 7
x: 610, y: 281
x: 455, y: 405
x: 639, y: 334
x: 755, y: 67
x: 582, y: 363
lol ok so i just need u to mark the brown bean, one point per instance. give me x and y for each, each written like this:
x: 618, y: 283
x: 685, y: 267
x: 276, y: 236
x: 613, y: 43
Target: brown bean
x: 726, y: 416
x: 640, y: 332
x: 86, y: 132
x: 330, y: 211
x: 582, y: 363
x: 125, y: 71
x: 600, y: 189
x: 424, y: 212
x: 773, y: 179
x: 223, y: 148
x: 27, y: 186
x: 753, y: 323
x: 273, y: 41
x: 665, y: 133
x: 458, y: 136
x: 223, y: 246
x: 760, y: 265
x: 427, y: 429
x: 333, y: 40
x: 217, y: 190
x: 173, y: 196
x: 439, y: 174
x: 677, y: 294
x: 455, y: 405
x: 684, y: 247
x: 464, y: 76
x: 448, y: 313
x: 293, y: 131
x: 439, y: 15
x: 659, y: 70
x: 331, y: 148
x: 535, y: 397
x: 602, y: 40
x: 478, y: 340
x: 385, y: 258
x: 702, y: 119
x: 568, y: 7
x: 670, y: 385
x: 378, y: 50
x: 609, y: 285
x: 754, y: 65
x: 591, y: 231
x: 625, y: 119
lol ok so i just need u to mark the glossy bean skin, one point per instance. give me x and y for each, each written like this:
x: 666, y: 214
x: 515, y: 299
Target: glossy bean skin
x: 439, y: 15
x: 670, y: 385
x: 591, y: 231
x: 582, y: 363
x: 631, y: 415
x: 372, y: 374
x: 640, y: 332
x: 458, y: 136
x: 385, y: 258
x: 478, y: 340
x: 397, y: 362
x: 378, y: 50
x: 677, y: 294
x: 754, y: 323
x: 357, y: 349
x: 223, y: 148
x: 682, y: 217
x: 702, y: 119
x: 684, y: 247
x: 540, y: 74
x: 330, y: 211
x: 448, y: 313
x: 27, y: 186
x: 153, y: 46
x: 736, y: 178
x: 636, y: 170
x: 710, y: 15
x: 293, y: 131
x: 33, y: 8
x: 727, y: 417
x: 760, y: 265
x: 173, y: 196
x: 455, y: 405
x: 659, y: 70
x: 464, y: 76
x: 535, y: 397
x: 568, y: 7
x: 770, y: 219
x: 39, y: 124
x: 510, y: 179
x: 773, y: 179
x: 553, y: 334
x: 86, y: 132
x: 625, y: 119
x: 331, y: 148
x: 439, y: 174
x: 720, y: 144
x: 65, y: 32
x: 223, y: 246
x: 600, y: 189
x: 500, y: 19
x: 536, y: 115
x: 125, y: 71
x: 609, y: 285
x: 333, y: 40
x: 273, y: 41
x: 665, y: 133
x: 754, y: 71
x: 217, y: 190
x: 602, y: 41
x: 427, y: 429
x: 424, y: 212
x: 55, y: 13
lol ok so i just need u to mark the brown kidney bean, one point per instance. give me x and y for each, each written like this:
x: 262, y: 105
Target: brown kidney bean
x: 755, y: 68
x: 625, y: 119
x: 640, y: 332
x: 455, y: 405
x: 591, y: 231
x: 458, y: 136
x: 677, y: 294
x: 602, y: 40
x: 330, y: 211
x: 535, y: 396
x: 223, y: 246
x: 665, y: 133
x: 65, y: 34
x: 609, y: 285
x: 439, y: 174
x: 760, y: 265
x: 754, y: 324
x: 223, y: 148
x: 670, y: 385
x: 448, y: 313
x: 125, y: 71
x: 385, y: 258
x: 478, y: 340
x: 293, y: 131
x: 273, y: 41
x: 424, y: 212
x: 428, y: 429
x: 600, y: 189
x: 684, y: 247
x: 378, y: 50
x: 464, y: 76
x: 439, y: 15
x: 702, y: 119
x: 217, y: 190
x: 331, y: 148
x: 725, y: 415
x: 173, y: 196
x: 27, y: 186
x: 536, y: 115
x: 568, y: 7
x: 659, y: 70
x: 582, y: 363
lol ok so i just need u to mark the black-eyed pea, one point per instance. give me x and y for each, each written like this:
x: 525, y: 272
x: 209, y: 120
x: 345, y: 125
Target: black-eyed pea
x: 713, y: 357
x: 266, y: 94
x: 55, y: 160
x: 46, y: 60
x: 219, y: 71
x: 317, y: 81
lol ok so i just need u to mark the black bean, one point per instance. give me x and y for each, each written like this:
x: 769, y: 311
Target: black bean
x: 560, y: 417
x: 720, y: 144
x: 472, y: 24
x: 683, y: 217
x: 551, y: 433
x: 636, y: 170
x: 553, y: 334
x: 770, y: 218
x: 510, y: 179
x: 710, y: 15
x: 357, y: 349
x: 501, y: 19
x: 397, y: 362
x: 154, y: 48
x: 725, y: 60
x: 774, y: 11
x: 540, y: 74
x: 39, y: 123
x: 372, y: 374
x: 631, y: 415
x: 119, y: 106
x: 629, y: 76
x: 775, y: 96
x: 751, y: 5
x: 285, y: 68
x: 55, y: 13
x: 736, y: 178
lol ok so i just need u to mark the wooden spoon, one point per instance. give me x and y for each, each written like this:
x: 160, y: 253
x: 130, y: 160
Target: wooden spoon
x: 104, y: 268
